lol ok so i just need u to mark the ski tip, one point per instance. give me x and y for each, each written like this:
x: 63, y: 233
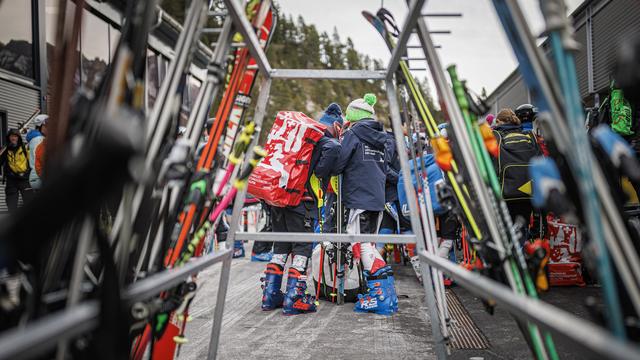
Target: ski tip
x: 375, y: 21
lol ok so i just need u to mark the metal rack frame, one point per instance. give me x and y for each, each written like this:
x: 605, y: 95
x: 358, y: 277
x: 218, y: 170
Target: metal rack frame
x: 592, y: 339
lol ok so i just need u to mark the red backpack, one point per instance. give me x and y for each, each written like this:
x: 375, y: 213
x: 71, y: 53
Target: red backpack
x: 280, y: 178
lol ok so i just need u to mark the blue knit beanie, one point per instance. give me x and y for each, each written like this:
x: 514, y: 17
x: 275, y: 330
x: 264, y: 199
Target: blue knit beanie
x: 332, y: 114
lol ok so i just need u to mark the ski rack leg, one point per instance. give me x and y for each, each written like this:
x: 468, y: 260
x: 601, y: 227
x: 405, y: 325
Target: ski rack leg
x: 428, y: 220
x: 436, y: 327
x: 238, y: 204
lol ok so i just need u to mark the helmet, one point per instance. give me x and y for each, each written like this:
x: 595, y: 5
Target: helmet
x: 442, y: 129
x: 526, y: 113
x: 40, y: 120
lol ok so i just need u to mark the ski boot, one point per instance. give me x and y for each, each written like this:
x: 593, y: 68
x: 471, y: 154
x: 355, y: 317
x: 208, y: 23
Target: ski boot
x: 297, y: 300
x: 379, y: 298
x: 390, y: 285
x: 272, y: 296
x: 263, y: 257
x: 238, y: 249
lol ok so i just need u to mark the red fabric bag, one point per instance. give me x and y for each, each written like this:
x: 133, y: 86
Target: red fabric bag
x: 565, y: 263
x: 280, y: 178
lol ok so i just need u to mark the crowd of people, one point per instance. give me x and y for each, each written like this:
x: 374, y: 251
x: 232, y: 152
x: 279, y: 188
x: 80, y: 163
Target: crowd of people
x: 357, y: 146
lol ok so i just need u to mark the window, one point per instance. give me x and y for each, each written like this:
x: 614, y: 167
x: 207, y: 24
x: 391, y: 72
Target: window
x: 95, y: 50
x: 51, y: 13
x: 16, y: 38
x: 3, y: 128
x: 114, y: 38
x: 153, y: 85
x: 189, y: 98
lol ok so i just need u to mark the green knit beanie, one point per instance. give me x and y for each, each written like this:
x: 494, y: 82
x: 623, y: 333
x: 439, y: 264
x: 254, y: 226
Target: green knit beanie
x: 361, y: 108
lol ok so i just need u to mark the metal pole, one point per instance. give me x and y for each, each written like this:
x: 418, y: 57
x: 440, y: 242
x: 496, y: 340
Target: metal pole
x: 440, y: 346
x: 244, y: 27
x: 328, y: 74
x: 238, y: 204
x: 442, y: 14
x: 428, y: 220
x: 315, y: 237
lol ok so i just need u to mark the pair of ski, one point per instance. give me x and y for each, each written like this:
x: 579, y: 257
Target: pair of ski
x: 610, y: 233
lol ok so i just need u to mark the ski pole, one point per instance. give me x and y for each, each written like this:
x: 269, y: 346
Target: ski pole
x: 320, y: 268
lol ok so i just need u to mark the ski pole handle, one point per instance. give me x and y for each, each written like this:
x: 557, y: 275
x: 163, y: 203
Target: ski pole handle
x: 444, y: 155
x: 489, y: 139
x: 258, y: 154
x: 549, y: 191
x: 458, y: 89
x: 243, y: 143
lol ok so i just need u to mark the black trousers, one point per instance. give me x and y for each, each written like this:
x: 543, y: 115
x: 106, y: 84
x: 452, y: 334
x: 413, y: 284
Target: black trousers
x: 262, y: 247
x: 13, y: 188
x: 287, y: 220
x: 524, y: 209
x: 449, y: 226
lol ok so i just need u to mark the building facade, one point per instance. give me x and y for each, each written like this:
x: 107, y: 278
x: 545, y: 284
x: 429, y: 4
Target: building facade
x: 27, y: 38
x: 602, y: 27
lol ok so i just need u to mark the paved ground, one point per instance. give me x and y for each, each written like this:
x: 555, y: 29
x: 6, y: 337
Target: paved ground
x: 504, y: 336
x: 336, y: 332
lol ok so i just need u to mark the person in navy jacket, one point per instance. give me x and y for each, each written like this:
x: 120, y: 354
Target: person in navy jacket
x: 363, y: 163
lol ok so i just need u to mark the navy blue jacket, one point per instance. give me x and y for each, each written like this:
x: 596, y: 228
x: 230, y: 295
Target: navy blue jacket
x: 363, y: 164
x: 324, y: 157
x: 393, y: 170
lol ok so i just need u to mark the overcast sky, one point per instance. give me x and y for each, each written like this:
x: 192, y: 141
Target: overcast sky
x: 477, y: 43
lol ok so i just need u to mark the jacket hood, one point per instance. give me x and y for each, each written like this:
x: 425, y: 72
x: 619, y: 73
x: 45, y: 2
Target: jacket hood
x: 504, y: 127
x: 14, y: 132
x: 32, y: 134
x: 371, y: 132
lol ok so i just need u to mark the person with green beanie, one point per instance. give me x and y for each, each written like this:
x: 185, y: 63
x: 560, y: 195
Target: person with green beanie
x: 364, y: 165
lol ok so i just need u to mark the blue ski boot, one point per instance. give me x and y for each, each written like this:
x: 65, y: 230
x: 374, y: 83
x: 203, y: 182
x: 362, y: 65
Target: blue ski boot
x: 238, y: 249
x: 263, y: 257
x: 297, y: 300
x: 390, y: 285
x: 272, y: 296
x: 378, y: 300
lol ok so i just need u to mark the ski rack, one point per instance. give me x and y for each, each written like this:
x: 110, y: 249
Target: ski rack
x: 549, y: 317
x: 588, y: 338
